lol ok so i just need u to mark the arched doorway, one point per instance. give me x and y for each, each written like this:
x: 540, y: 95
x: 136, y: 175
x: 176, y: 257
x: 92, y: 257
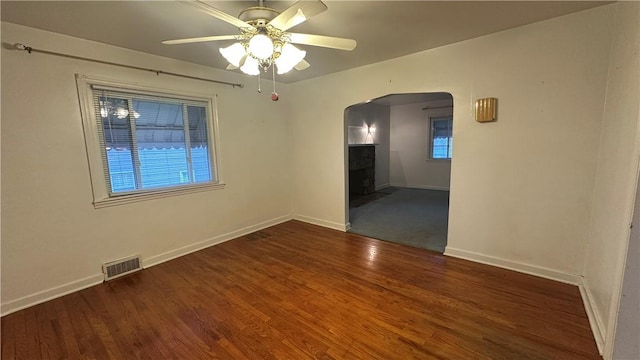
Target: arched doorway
x: 399, y: 166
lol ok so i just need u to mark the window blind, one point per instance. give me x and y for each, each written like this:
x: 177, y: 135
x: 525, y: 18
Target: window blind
x: 149, y: 141
x: 441, y: 137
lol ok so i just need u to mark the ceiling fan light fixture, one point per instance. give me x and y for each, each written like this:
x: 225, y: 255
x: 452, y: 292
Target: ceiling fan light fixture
x: 264, y: 42
x: 233, y: 54
x: 251, y: 66
x: 121, y: 113
x: 261, y: 46
x: 289, y: 58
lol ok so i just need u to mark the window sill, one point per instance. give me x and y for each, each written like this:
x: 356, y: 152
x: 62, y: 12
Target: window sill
x: 158, y: 194
x: 438, y: 160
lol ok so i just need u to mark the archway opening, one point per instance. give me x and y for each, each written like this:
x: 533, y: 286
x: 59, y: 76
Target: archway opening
x: 400, y: 149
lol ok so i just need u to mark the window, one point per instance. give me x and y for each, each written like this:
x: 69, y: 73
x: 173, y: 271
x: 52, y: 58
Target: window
x: 441, y: 137
x: 144, y: 143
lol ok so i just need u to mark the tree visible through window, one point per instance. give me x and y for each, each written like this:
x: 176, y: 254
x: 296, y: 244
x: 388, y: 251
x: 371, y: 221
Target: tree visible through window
x: 441, y: 137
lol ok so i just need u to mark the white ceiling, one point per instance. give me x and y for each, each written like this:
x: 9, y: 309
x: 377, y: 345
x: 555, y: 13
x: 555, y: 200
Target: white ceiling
x: 383, y: 29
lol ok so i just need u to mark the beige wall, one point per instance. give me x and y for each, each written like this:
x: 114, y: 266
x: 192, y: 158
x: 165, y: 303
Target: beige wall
x: 627, y: 341
x: 521, y: 188
x: 616, y: 175
x: 53, y: 240
x: 410, y: 142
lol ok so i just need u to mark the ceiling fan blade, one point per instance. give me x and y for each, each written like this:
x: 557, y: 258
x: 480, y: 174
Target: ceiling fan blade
x: 200, y: 39
x: 302, y: 65
x: 297, y: 13
x: 210, y: 10
x: 323, y: 41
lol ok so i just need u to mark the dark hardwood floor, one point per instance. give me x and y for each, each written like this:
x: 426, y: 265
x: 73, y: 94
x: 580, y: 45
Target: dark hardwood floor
x: 298, y: 291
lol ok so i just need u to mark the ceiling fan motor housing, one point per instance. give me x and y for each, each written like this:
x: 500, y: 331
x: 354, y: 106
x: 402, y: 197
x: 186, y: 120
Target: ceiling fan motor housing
x: 258, y: 15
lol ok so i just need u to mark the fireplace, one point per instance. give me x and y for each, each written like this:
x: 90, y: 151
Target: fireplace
x: 362, y: 169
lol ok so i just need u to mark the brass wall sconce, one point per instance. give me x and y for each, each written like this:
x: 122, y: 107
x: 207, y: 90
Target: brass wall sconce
x: 486, y: 109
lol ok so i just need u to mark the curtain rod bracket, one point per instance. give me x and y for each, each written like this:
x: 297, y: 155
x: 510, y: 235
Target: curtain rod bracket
x: 23, y: 47
x: 29, y: 49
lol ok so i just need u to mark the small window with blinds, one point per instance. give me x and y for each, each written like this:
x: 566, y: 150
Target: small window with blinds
x: 441, y: 137
x: 146, y: 143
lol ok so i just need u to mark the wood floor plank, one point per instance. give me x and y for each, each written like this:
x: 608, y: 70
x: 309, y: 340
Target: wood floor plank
x: 65, y: 330
x: 9, y: 338
x: 32, y: 335
x: 299, y: 291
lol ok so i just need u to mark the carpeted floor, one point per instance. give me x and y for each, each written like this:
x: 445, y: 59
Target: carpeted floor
x: 414, y: 217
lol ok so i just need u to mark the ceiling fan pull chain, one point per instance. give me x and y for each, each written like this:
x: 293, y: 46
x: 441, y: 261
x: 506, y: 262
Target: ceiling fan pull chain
x: 259, y: 89
x: 274, y: 94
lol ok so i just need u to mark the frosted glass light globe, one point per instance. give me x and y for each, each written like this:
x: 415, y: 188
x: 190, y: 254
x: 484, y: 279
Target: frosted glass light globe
x: 261, y: 46
x: 250, y: 66
x: 233, y: 54
x: 122, y: 113
x: 289, y: 58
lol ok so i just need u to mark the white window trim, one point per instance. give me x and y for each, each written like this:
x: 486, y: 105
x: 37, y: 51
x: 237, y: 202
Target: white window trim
x: 101, y: 196
x: 435, y: 113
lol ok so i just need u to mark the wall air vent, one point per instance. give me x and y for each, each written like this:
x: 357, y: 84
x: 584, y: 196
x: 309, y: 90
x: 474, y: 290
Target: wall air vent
x: 115, y: 269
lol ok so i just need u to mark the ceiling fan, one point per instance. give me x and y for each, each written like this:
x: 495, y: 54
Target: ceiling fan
x: 264, y: 41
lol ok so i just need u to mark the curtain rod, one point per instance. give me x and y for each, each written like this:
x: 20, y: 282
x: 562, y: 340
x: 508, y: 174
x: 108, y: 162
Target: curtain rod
x: 437, y: 107
x: 29, y: 49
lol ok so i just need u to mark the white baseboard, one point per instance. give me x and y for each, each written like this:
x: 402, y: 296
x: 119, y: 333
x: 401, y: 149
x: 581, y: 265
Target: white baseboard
x: 426, y: 187
x: 58, y: 291
x: 347, y: 226
x: 383, y: 186
x: 514, y: 265
x: 170, y: 255
x: 321, y: 222
x: 595, y: 320
x: 49, y: 294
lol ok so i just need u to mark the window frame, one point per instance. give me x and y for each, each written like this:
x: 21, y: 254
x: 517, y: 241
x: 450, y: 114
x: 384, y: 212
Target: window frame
x: 98, y: 169
x: 430, y: 119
